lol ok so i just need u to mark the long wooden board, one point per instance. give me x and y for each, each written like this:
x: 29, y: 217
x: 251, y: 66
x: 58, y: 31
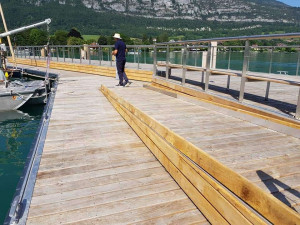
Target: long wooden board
x: 133, y: 74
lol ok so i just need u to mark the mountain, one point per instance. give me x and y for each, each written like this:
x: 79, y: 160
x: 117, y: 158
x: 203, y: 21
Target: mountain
x: 189, y: 18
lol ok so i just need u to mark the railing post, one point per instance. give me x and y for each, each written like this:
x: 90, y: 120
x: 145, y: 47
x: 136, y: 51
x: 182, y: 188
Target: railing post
x: 207, y: 75
x: 80, y: 57
x: 168, y: 71
x: 33, y: 50
x: 297, y: 115
x: 229, y: 59
x: 72, y: 54
x: 270, y: 71
x: 138, y: 55
x: 196, y: 54
x: 134, y: 60
x: 228, y: 67
x: 145, y: 50
x: 89, y: 54
x: 154, y: 60
x: 297, y: 70
x: 57, y: 54
x: 64, y: 54
x: 245, y: 69
x: 110, y: 56
x: 184, y: 57
x: 99, y: 54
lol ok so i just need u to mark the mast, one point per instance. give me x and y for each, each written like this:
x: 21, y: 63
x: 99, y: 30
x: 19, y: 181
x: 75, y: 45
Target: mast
x: 8, y: 37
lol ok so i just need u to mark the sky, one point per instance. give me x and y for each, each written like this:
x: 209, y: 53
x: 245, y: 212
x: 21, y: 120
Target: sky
x: 291, y: 2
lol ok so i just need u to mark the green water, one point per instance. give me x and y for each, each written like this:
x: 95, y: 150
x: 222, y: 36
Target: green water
x: 17, y: 131
x: 259, y: 61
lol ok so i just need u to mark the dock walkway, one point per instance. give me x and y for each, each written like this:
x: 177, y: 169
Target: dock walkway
x: 96, y: 170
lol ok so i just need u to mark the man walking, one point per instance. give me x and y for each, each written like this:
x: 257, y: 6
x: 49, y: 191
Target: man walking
x: 119, y: 52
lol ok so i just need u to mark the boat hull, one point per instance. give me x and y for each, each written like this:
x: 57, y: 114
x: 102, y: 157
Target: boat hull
x: 12, y: 102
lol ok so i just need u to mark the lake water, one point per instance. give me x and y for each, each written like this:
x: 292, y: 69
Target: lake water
x: 259, y: 61
x: 17, y: 131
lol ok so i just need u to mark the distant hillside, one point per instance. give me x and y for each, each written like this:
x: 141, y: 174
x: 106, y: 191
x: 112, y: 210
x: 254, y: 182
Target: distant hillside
x: 188, y: 18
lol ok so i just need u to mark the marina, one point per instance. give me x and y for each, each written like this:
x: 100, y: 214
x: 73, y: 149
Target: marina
x: 178, y: 146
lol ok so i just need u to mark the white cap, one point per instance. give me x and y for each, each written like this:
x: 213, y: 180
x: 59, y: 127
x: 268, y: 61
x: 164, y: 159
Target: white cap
x: 117, y: 36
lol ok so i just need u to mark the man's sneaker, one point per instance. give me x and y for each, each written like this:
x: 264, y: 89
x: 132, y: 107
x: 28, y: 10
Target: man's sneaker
x: 127, y: 83
x: 119, y: 85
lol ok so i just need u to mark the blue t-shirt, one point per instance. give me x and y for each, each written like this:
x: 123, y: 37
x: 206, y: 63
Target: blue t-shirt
x: 121, y: 47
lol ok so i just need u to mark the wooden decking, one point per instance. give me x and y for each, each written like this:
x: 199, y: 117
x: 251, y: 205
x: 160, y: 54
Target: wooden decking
x: 96, y: 170
x: 267, y: 158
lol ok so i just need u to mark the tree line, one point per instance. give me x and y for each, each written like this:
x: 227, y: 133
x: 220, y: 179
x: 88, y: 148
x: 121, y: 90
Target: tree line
x: 35, y: 37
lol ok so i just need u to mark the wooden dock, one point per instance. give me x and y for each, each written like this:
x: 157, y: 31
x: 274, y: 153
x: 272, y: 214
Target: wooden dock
x: 113, y: 156
x: 96, y: 170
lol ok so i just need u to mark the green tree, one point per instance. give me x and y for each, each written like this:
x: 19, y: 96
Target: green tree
x: 90, y: 41
x: 102, y: 40
x: 75, y: 33
x: 150, y: 40
x: 38, y: 37
x: 164, y: 37
x: 145, y: 39
x: 60, y: 37
x: 75, y: 41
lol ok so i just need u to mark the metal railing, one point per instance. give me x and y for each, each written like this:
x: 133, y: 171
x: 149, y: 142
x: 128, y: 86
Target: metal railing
x: 209, y: 59
x: 201, y: 53
x: 91, y: 54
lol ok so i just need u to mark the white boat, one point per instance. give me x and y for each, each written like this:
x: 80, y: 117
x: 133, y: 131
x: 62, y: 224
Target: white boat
x: 14, y: 94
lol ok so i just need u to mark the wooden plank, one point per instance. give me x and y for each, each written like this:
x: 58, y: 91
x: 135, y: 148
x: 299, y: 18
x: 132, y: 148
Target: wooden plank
x: 267, y: 205
x: 99, y: 209
x: 138, y: 216
x: 102, y: 198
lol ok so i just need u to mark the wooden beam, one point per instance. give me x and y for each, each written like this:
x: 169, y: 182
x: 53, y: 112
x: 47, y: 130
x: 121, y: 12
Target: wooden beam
x: 140, y: 75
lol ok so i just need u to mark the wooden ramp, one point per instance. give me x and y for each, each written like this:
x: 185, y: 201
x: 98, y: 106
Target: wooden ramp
x: 248, y: 159
x: 96, y: 170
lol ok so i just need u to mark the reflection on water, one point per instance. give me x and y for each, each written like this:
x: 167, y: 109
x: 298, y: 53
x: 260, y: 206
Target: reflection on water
x: 17, y: 131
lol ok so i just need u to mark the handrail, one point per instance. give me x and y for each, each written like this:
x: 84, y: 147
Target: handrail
x: 237, y: 38
x: 76, y: 46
